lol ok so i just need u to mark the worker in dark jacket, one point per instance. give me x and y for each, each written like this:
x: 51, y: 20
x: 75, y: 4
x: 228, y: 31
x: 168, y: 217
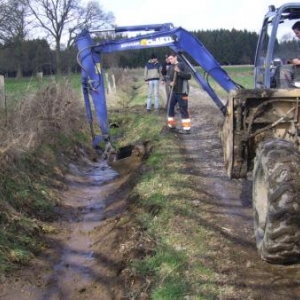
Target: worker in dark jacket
x: 179, y: 77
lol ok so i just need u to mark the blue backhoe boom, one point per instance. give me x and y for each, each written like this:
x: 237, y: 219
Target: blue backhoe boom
x: 153, y: 36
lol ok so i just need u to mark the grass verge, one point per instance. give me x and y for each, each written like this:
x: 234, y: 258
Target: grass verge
x: 165, y: 216
x: 182, y: 261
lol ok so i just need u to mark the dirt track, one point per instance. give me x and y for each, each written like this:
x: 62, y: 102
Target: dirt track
x: 97, y: 271
x: 228, y: 213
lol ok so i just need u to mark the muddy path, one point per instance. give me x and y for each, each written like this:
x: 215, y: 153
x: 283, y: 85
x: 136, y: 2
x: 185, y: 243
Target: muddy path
x: 227, y: 212
x: 86, y: 258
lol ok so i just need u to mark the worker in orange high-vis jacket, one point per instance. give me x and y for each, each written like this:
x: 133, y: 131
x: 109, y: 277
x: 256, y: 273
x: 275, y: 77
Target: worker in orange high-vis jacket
x: 179, y: 85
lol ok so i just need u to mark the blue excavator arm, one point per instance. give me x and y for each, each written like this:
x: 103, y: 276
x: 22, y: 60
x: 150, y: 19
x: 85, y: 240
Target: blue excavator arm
x: 160, y: 35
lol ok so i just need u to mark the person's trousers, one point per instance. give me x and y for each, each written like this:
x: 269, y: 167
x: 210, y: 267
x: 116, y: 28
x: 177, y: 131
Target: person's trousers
x: 182, y: 101
x: 153, y: 92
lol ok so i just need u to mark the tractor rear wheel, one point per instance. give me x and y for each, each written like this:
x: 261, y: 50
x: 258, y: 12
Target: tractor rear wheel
x: 276, y: 201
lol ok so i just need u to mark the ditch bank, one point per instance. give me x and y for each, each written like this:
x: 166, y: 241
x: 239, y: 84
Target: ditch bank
x: 94, y: 241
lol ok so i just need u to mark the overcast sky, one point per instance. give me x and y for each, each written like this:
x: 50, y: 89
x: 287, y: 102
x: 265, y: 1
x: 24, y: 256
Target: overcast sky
x: 192, y: 14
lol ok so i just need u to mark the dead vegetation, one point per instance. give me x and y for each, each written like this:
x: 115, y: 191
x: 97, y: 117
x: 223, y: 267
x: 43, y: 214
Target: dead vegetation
x: 37, y: 116
x: 34, y: 133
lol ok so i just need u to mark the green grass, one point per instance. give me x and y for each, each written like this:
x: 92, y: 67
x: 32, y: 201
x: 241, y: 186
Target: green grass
x: 170, y: 220
x: 242, y: 75
x: 166, y: 265
x: 163, y: 216
x: 177, y: 265
x: 239, y: 69
x: 16, y: 89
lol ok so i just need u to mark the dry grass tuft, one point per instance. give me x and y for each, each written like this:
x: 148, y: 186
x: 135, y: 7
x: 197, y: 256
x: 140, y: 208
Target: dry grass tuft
x: 37, y: 116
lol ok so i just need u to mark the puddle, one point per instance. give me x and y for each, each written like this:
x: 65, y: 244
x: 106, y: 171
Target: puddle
x: 83, y: 259
x: 77, y: 258
x: 88, y: 185
x: 96, y: 192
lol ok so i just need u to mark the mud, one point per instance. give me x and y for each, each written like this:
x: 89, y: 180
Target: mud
x: 82, y: 259
x: 227, y: 211
x: 87, y: 258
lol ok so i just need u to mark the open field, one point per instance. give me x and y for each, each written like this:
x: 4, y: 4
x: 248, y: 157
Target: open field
x: 19, y: 86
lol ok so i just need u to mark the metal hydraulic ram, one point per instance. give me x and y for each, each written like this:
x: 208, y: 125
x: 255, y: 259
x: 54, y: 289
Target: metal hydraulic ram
x: 93, y: 86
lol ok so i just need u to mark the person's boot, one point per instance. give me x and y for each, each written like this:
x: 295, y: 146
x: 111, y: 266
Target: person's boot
x: 184, y: 131
x: 172, y: 129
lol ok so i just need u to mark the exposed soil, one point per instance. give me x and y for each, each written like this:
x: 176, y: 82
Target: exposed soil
x: 87, y: 258
x: 228, y: 212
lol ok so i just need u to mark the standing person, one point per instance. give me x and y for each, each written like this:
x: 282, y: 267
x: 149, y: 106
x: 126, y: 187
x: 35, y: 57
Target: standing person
x: 289, y: 75
x: 179, y: 76
x: 165, y: 72
x: 152, y: 74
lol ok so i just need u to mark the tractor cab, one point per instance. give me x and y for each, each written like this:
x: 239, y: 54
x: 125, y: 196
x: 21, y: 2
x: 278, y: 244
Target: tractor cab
x: 276, y: 47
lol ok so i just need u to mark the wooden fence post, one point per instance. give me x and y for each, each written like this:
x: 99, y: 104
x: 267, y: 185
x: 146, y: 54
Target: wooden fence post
x: 39, y: 76
x: 113, y: 82
x: 108, y: 84
x: 2, y: 92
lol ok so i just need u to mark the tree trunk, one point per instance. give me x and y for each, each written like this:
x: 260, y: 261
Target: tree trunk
x: 19, y: 71
x: 58, y: 61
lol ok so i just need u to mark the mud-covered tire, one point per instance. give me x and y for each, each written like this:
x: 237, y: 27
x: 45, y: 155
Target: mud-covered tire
x: 276, y: 201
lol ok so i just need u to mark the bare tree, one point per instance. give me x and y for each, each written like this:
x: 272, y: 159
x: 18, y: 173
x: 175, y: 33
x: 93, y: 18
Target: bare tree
x: 13, y: 28
x: 60, y: 19
x: 92, y: 17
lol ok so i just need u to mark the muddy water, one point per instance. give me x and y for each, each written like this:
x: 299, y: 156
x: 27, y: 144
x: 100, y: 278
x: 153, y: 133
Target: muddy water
x: 88, y: 186
x: 70, y: 269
